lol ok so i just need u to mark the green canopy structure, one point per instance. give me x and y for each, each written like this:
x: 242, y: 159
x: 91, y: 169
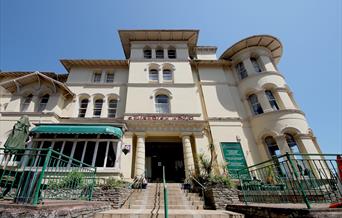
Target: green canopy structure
x: 18, y: 136
x: 78, y: 129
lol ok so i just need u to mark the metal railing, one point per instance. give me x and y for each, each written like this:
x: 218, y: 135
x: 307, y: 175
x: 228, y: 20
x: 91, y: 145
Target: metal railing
x: 30, y: 176
x: 166, y: 209
x: 293, y: 178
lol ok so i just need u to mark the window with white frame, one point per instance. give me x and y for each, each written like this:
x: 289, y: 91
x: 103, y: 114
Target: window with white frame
x: 153, y: 75
x: 171, y: 53
x: 97, y: 77
x: 162, y: 104
x: 98, y: 107
x: 255, y: 105
x: 159, y: 53
x: 26, y: 102
x: 147, y: 53
x: 272, y: 100
x: 83, y: 107
x: 109, y: 77
x: 241, y: 70
x: 167, y: 75
x: 43, y: 102
x: 256, y: 65
x: 112, y: 106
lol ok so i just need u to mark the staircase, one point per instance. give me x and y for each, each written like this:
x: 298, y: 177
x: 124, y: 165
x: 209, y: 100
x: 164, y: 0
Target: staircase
x: 149, y: 203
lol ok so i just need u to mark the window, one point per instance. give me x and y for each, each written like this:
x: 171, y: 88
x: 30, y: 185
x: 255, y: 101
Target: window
x: 171, y: 53
x: 255, y: 105
x: 292, y: 143
x: 26, y: 103
x: 167, y: 75
x: 83, y: 108
x: 112, y: 105
x: 153, y: 75
x: 109, y: 77
x: 159, y: 53
x: 240, y: 68
x: 256, y: 65
x: 43, y: 102
x: 272, y: 146
x: 97, y: 77
x: 302, y: 165
x: 98, y: 107
x: 162, y: 104
x: 272, y: 100
x: 147, y: 53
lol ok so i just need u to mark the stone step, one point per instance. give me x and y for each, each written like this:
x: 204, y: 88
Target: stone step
x: 174, y: 206
x: 173, y: 213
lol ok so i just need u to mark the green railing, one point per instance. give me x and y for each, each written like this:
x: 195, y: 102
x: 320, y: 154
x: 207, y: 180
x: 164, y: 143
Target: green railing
x: 166, y: 206
x: 31, y: 176
x: 293, y: 178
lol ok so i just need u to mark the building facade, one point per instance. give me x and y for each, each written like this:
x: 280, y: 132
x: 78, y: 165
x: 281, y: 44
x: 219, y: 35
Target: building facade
x: 165, y: 103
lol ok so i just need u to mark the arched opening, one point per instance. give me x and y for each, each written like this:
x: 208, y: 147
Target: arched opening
x: 153, y: 75
x: 272, y: 100
x: 255, y: 105
x: 162, y: 103
x: 83, y: 107
x: 98, y: 107
x: 171, y: 52
x: 26, y: 103
x: 159, y: 52
x: 147, y: 52
x: 43, y: 102
x: 241, y: 70
x: 112, y: 107
x: 256, y: 64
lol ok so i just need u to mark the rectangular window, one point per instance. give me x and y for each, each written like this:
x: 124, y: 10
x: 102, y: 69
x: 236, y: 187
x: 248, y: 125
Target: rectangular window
x: 109, y: 77
x: 97, y: 77
x: 160, y: 54
x: 167, y: 75
x: 171, y: 54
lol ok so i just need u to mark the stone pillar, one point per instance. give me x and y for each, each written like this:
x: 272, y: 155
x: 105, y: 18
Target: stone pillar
x: 248, y: 107
x: 248, y: 65
x: 263, y: 100
x: 188, y: 157
x: 104, y: 112
x: 282, y: 144
x: 140, y: 155
x: 286, y: 99
x: 268, y: 65
x: 90, y: 108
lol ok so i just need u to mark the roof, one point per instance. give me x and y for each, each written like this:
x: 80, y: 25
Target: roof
x: 267, y: 41
x: 127, y: 36
x: 68, y: 64
x: 53, y: 75
x: 15, y: 84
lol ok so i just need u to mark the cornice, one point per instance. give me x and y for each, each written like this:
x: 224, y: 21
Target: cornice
x: 278, y: 112
x: 218, y: 83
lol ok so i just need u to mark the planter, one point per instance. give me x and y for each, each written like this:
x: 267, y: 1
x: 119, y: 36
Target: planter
x: 220, y: 197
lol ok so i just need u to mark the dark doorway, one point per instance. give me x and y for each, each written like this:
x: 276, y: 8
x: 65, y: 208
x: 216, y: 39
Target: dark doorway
x: 168, y: 154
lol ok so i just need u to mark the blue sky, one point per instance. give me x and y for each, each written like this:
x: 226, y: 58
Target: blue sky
x: 34, y: 35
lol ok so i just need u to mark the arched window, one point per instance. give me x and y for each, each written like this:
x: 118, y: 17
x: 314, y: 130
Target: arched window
x: 167, y: 75
x: 256, y: 65
x: 162, y: 104
x: 153, y: 75
x: 43, y: 102
x: 302, y: 164
x: 98, y: 107
x: 83, y: 108
x: 171, y: 53
x: 255, y: 105
x: 159, y: 53
x: 26, y: 102
x: 112, y: 105
x: 291, y: 142
x: 272, y: 100
x: 241, y: 70
x: 272, y: 146
x: 147, y: 53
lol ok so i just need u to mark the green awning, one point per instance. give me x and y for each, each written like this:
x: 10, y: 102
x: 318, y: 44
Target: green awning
x: 78, y: 129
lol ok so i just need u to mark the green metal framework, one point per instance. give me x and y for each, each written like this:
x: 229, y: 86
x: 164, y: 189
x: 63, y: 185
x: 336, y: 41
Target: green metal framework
x: 293, y: 178
x: 30, y: 176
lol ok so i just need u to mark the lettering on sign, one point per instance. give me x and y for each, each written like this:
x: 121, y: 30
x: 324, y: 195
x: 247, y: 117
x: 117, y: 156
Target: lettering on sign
x: 156, y: 117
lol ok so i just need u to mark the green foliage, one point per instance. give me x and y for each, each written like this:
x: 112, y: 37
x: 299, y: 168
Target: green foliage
x: 72, y: 180
x: 220, y: 181
x: 113, y: 183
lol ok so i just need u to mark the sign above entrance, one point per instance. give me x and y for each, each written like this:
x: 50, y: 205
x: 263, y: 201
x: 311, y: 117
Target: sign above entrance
x: 161, y: 117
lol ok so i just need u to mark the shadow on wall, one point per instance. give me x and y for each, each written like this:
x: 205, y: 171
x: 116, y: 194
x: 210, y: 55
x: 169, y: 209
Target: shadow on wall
x: 225, y: 99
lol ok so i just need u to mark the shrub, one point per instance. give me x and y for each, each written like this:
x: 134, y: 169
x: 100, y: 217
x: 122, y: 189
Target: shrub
x: 112, y: 183
x: 72, y: 180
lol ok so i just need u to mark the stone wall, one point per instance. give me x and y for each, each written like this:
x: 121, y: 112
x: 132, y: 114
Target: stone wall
x: 116, y: 196
x: 218, y: 198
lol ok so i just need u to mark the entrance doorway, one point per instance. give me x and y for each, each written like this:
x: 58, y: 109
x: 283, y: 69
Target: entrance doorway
x: 168, y: 154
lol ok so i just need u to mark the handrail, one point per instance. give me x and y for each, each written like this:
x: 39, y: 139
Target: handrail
x: 166, y: 213
x: 200, y: 184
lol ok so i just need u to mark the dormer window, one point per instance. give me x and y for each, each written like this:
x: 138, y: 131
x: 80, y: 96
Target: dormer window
x: 97, y: 77
x: 171, y: 53
x: 159, y: 53
x: 147, y: 53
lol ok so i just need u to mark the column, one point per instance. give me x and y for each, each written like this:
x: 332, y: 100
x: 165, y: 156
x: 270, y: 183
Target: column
x: 285, y: 99
x: 140, y: 155
x: 188, y: 157
x: 282, y: 144
x: 263, y: 100
x: 248, y: 107
x: 104, y: 112
x: 268, y: 65
x: 249, y: 66
x: 90, y: 108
